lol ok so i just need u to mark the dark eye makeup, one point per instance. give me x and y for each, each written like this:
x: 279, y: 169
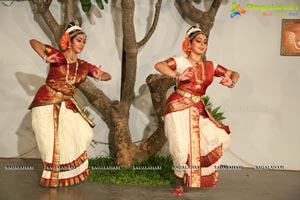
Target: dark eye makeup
x: 200, y: 40
x: 80, y: 40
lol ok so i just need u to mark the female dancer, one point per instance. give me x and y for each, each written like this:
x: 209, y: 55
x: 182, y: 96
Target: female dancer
x: 62, y: 130
x: 196, y: 139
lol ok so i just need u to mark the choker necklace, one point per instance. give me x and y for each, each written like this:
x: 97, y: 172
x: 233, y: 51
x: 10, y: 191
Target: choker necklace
x: 73, y: 57
x: 71, y: 82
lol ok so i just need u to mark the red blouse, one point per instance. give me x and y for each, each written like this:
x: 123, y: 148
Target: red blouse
x: 196, y: 87
x: 56, y: 88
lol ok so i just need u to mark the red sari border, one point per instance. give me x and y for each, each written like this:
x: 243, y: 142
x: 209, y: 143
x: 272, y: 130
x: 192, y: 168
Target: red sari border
x: 212, y: 157
x: 67, y: 166
x: 55, y: 155
x: 66, y: 182
x: 209, y: 180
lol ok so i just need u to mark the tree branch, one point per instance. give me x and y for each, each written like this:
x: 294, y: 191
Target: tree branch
x: 69, y: 12
x: 215, y: 7
x: 158, y: 86
x: 98, y: 99
x: 129, y: 52
x: 152, y: 145
x: 154, y: 24
x: 42, y: 5
x: 211, y: 14
x: 204, y: 19
x: 43, y: 9
x: 188, y: 10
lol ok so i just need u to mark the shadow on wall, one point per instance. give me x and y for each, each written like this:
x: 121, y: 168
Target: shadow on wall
x: 27, y: 146
x: 143, y: 103
x: 253, y: 120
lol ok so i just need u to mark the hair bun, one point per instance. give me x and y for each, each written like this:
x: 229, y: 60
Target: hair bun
x: 193, y: 29
x: 74, y: 23
x: 72, y: 26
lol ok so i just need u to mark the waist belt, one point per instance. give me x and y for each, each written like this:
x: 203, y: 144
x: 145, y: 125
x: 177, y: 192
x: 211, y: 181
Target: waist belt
x: 58, y: 94
x: 64, y: 97
x: 194, y: 98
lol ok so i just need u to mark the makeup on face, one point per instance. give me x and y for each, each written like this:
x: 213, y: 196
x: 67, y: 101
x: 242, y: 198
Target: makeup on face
x: 78, y: 42
x: 199, y: 44
x: 201, y: 39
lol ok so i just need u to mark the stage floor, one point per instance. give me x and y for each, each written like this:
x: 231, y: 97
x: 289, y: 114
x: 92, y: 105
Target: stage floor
x: 244, y: 184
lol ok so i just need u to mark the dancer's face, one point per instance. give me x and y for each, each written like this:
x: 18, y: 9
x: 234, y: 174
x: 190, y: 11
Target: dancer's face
x: 199, y: 44
x: 78, y: 42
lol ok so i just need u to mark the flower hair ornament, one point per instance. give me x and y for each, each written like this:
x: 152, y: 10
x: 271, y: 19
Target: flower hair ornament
x: 72, y: 30
x: 192, y: 30
x: 186, y: 45
x: 190, y: 34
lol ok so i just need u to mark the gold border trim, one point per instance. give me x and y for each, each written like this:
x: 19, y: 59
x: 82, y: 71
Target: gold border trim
x: 66, y: 182
x: 68, y: 166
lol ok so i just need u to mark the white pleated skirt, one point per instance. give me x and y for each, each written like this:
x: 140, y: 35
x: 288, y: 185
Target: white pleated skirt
x: 196, y: 145
x: 62, y: 137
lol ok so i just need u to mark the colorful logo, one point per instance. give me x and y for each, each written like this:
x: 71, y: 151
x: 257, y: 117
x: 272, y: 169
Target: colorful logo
x: 236, y: 10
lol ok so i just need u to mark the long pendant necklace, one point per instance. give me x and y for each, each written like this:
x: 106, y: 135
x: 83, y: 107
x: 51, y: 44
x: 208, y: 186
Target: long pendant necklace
x: 199, y: 81
x: 72, y: 81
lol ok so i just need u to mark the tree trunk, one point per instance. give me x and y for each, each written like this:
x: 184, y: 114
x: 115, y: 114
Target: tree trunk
x: 196, y: 16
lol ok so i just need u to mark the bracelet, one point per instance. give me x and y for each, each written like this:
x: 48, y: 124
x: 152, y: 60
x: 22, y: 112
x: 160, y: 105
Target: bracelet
x: 45, y: 58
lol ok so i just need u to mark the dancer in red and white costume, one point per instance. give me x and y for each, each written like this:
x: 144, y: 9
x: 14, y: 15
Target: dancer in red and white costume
x: 196, y: 138
x: 62, y: 130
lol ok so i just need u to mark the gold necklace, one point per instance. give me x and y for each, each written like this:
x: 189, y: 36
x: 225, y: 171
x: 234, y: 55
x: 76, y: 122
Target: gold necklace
x: 72, y: 81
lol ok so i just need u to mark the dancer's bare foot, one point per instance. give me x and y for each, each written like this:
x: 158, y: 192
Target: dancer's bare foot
x: 178, y: 190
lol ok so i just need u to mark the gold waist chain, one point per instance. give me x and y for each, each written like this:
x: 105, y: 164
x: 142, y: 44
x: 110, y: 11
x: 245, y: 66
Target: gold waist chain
x: 195, y: 98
